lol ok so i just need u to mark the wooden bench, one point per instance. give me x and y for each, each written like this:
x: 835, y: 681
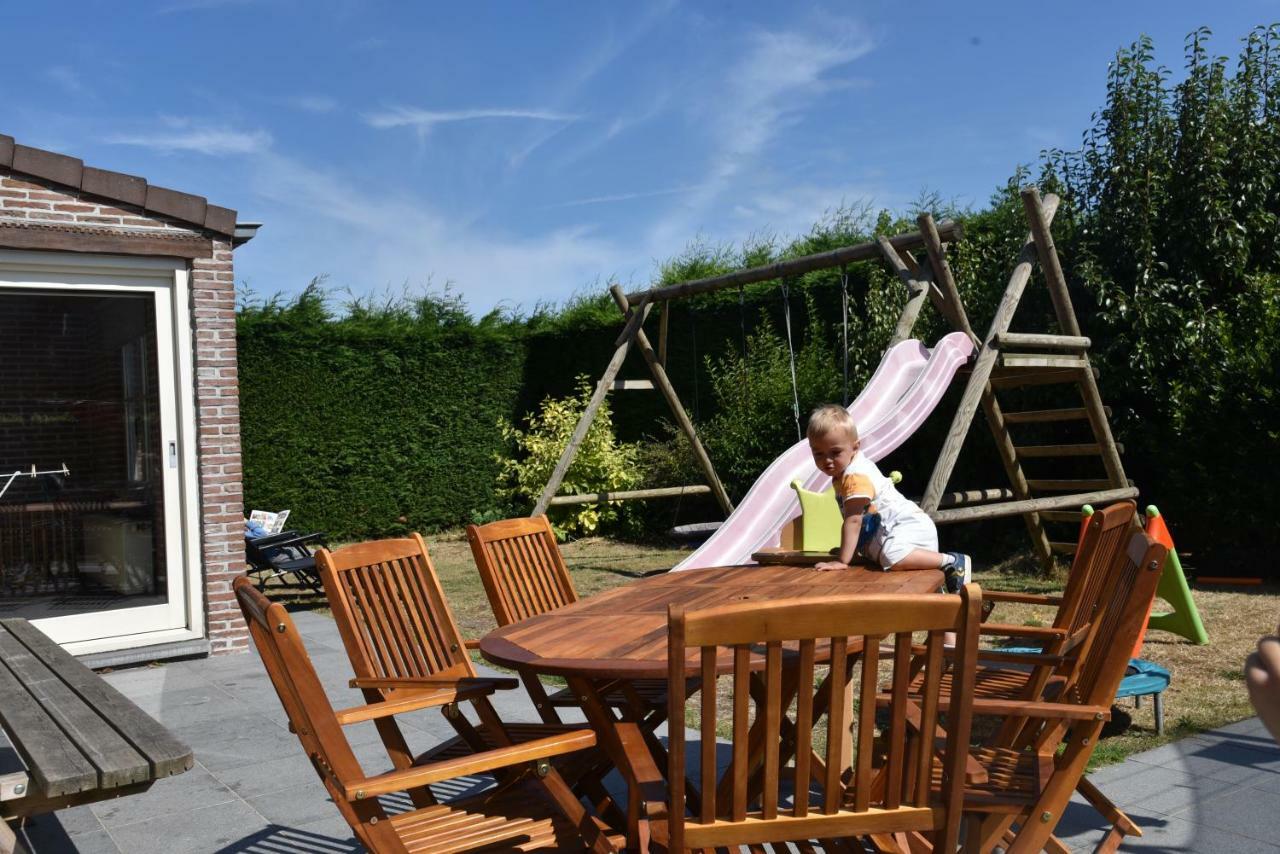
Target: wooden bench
x: 72, y: 738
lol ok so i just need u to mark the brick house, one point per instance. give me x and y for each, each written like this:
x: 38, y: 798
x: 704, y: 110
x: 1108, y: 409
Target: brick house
x: 122, y: 531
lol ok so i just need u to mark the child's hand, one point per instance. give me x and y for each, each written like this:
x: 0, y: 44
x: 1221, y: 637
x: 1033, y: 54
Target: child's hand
x: 830, y: 564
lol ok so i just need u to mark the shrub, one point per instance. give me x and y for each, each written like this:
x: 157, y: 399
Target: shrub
x: 602, y: 464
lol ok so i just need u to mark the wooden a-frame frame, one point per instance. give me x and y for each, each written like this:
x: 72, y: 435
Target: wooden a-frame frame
x: 1040, y: 359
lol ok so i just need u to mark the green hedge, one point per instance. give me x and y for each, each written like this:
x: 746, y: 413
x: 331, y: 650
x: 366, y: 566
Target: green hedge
x: 374, y: 423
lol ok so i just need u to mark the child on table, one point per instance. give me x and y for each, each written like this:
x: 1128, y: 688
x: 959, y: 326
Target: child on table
x: 879, y: 522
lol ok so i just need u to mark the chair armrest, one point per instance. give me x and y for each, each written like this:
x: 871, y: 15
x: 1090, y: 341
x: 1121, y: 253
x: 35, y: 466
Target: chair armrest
x: 1040, y: 709
x: 285, y: 539
x: 464, y: 688
x: 1033, y: 659
x: 1025, y: 598
x: 1047, y: 633
x: 471, y: 644
x: 397, y: 705
x: 475, y: 763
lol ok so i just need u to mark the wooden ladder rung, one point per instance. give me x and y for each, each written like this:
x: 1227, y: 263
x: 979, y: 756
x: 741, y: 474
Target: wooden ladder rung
x: 1042, y: 360
x: 632, y: 385
x: 1038, y: 416
x: 628, y: 495
x: 1061, y: 515
x: 1077, y: 343
x: 1087, y: 450
x: 1063, y: 548
x: 1067, y: 485
x: 1001, y: 378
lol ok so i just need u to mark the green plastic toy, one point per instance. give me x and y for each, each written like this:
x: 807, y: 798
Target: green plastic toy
x: 1184, y: 619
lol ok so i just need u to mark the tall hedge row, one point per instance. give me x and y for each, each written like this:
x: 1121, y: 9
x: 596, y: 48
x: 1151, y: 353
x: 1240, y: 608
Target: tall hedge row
x: 374, y: 423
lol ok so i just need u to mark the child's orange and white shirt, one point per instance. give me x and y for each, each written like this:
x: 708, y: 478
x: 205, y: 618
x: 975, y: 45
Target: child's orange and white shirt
x: 903, y: 527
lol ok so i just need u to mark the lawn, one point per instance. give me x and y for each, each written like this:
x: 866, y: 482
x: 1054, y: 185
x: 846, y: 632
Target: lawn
x: 1208, y: 686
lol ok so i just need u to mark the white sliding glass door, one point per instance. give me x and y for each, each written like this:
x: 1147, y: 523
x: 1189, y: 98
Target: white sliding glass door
x: 98, y: 546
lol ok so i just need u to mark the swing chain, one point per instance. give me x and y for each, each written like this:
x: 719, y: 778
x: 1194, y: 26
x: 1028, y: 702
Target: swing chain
x: 844, y: 327
x: 791, y: 353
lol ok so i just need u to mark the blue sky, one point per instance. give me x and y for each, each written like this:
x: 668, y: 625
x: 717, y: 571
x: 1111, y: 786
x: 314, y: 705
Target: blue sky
x: 524, y: 152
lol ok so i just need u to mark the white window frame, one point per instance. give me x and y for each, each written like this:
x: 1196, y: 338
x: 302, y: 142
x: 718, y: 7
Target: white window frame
x: 169, y: 280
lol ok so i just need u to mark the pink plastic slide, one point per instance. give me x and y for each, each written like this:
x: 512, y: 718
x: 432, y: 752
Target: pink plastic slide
x: 905, y: 388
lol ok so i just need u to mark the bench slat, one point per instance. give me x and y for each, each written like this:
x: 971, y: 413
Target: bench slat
x: 166, y: 754
x: 116, y: 761
x: 55, y: 766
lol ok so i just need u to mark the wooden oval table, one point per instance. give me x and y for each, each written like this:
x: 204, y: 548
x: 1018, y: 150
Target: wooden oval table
x: 621, y: 634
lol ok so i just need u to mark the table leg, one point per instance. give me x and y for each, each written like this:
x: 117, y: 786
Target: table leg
x: 9, y: 843
x: 624, y: 742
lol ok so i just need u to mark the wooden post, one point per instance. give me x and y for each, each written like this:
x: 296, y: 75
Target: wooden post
x: 954, y: 310
x: 664, y: 321
x: 918, y: 292
x: 986, y: 360
x: 588, y: 415
x: 1049, y: 264
x: 1067, y: 322
x: 793, y: 267
x: 677, y: 408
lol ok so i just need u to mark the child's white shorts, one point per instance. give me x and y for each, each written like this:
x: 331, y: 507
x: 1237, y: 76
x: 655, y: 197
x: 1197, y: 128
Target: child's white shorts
x: 891, y: 543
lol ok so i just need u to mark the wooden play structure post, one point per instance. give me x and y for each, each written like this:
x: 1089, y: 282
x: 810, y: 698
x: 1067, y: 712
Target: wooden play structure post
x: 1003, y: 360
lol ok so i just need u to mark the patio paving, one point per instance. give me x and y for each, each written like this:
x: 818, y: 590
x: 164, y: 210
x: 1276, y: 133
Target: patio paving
x: 252, y: 790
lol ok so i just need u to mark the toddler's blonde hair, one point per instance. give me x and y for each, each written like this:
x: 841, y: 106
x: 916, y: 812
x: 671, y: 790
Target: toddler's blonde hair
x: 829, y: 418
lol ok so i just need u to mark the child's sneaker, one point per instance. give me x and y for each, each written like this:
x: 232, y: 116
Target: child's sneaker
x: 958, y: 571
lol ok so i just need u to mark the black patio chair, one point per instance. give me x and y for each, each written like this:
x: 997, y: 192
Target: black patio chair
x: 287, y: 555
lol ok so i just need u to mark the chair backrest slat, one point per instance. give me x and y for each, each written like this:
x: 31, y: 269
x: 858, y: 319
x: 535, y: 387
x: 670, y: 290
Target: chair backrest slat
x: 837, y: 723
x: 866, y: 722
x: 1105, y: 536
x: 391, y: 610
x: 523, y: 572
x: 804, y: 726
x: 748, y: 643
x: 898, y: 719
x: 741, y: 731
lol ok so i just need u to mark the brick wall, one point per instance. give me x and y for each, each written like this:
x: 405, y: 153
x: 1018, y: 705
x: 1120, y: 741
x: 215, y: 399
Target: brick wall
x: 30, y: 199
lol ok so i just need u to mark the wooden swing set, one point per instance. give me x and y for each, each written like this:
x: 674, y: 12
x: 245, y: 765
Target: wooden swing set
x: 1002, y: 360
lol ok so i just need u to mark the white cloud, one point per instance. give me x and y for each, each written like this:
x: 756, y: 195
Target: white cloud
x: 374, y: 240
x: 425, y: 120
x: 183, y: 136
x: 621, y: 197
x: 780, y: 75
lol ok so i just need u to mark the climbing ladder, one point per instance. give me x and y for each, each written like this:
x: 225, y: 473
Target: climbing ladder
x: 1015, y: 360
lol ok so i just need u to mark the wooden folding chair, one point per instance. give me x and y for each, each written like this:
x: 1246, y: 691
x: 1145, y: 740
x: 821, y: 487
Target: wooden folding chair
x: 531, y: 809
x: 402, y: 640
x: 758, y: 802
x: 1033, y: 770
x: 1028, y: 673
x: 524, y: 575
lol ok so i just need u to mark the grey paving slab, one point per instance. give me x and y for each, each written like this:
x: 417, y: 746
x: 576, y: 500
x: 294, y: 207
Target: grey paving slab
x: 170, y: 796
x: 47, y: 838
x: 202, y: 830
x: 269, y: 775
x: 296, y: 805
x: 1247, y: 812
x: 238, y: 740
